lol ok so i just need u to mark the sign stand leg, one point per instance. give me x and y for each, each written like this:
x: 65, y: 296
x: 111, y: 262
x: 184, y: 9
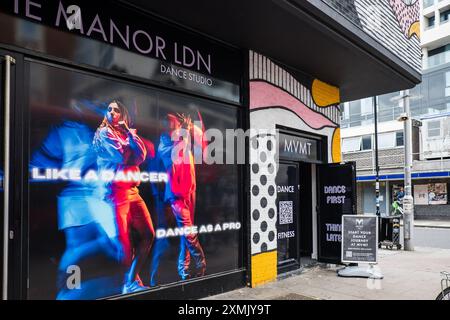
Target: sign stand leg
x: 360, y: 272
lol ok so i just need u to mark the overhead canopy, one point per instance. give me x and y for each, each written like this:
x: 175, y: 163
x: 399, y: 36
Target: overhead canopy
x: 305, y: 35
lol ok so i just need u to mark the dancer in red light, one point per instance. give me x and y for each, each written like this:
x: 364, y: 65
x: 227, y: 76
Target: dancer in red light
x: 181, y: 190
x: 120, y: 149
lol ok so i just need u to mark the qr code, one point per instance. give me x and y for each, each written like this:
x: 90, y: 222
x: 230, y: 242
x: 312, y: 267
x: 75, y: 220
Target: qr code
x: 286, y: 212
x: 349, y: 254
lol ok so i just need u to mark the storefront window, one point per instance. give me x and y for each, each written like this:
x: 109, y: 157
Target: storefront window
x: 111, y: 211
x: 434, y: 193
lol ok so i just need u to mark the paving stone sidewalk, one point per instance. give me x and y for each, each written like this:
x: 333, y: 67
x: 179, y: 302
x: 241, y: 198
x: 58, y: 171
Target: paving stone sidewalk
x: 407, y: 276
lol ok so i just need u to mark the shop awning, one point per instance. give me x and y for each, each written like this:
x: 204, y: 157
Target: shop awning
x: 305, y: 35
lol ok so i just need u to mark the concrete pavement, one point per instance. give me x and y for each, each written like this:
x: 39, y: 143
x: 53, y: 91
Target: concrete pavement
x: 407, y: 275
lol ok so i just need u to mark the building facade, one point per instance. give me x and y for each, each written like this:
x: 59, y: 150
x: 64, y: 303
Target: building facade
x: 430, y: 103
x: 148, y: 153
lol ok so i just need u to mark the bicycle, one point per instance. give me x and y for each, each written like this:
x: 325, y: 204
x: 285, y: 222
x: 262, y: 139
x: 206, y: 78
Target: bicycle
x: 397, y: 208
x: 445, y: 289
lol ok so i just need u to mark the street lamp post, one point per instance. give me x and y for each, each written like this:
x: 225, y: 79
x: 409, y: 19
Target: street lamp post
x: 377, y: 167
x: 408, y: 207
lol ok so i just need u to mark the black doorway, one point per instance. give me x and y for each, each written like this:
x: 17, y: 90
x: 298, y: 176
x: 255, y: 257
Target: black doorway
x: 288, y: 216
x: 305, y: 151
x: 306, y: 219
x: 295, y: 222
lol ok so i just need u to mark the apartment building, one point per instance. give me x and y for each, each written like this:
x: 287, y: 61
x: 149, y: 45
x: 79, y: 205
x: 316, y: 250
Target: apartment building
x: 430, y: 104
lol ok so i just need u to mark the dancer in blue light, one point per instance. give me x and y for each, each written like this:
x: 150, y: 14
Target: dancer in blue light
x: 87, y: 220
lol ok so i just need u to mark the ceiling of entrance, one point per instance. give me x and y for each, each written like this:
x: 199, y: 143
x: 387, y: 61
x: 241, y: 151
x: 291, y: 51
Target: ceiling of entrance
x: 301, y: 34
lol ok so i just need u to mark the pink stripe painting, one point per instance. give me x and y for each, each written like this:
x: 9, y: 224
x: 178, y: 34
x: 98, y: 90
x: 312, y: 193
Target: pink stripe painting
x: 264, y: 95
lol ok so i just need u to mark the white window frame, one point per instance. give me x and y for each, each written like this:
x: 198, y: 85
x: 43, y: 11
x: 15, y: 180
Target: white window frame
x: 387, y: 140
x: 440, y: 129
x: 396, y: 145
x: 371, y: 142
x: 353, y: 141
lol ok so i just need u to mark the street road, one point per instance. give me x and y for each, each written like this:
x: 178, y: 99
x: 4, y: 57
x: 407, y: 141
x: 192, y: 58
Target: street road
x: 430, y: 237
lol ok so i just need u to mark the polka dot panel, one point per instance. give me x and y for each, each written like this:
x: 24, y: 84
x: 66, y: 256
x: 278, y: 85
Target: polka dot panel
x: 263, y: 196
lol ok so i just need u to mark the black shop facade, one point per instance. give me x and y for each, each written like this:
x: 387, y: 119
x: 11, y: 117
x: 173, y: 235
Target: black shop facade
x: 78, y: 226
x: 95, y: 205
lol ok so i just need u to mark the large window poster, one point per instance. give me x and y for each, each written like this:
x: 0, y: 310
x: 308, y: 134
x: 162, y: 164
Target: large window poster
x: 430, y: 194
x: 437, y: 193
x: 111, y: 211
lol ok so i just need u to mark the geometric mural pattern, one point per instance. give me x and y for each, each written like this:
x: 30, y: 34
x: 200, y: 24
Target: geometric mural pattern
x: 263, y: 193
x: 294, y: 101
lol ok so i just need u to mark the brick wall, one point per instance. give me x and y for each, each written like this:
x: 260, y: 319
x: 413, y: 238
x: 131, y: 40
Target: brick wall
x: 432, y: 212
x: 394, y: 158
x: 387, y: 159
x: 363, y: 159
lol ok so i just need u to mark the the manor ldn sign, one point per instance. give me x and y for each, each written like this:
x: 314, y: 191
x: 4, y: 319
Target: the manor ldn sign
x: 183, y: 58
x: 107, y: 22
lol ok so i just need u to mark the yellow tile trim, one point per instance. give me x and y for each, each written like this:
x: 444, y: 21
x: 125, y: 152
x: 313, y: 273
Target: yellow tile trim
x: 336, y: 146
x: 264, y: 268
x: 325, y: 95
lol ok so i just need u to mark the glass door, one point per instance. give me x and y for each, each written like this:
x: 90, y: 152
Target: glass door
x: 111, y: 211
x: 288, y: 211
